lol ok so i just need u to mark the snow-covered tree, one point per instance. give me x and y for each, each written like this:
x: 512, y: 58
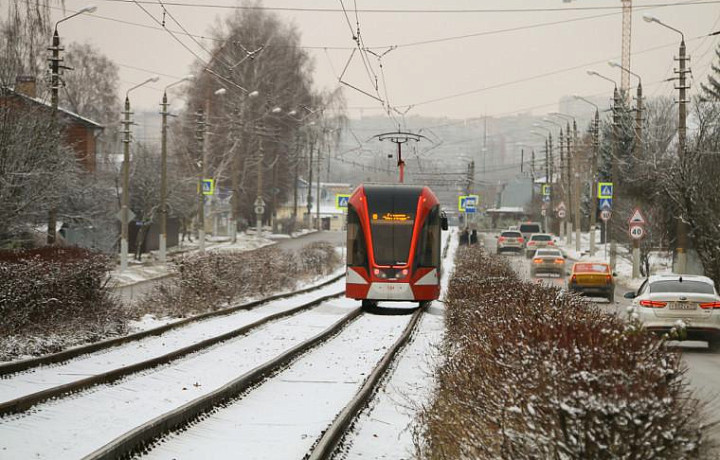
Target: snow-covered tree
x: 711, y: 90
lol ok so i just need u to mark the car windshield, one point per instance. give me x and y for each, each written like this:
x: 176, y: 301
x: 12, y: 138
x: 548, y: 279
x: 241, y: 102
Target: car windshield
x: 511, y: 234
x: 686, y: 286
x: 541, y: 238
x: 548, y: 253
x: 592, y: 268
x: 529, y: 228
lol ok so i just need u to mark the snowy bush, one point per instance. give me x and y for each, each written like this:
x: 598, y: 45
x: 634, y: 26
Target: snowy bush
x: 211, y: 281
x: 531, y: 373
x: 53, y: 297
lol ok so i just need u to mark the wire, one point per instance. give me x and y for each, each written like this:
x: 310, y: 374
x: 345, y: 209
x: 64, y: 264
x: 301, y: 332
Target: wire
x: 420, y: 11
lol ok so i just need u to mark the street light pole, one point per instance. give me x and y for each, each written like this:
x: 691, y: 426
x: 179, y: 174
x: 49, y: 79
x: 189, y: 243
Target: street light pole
x: 163, y: 171
x: 593, y: 171
x: 125, y: 211
x: 682, y: 230
x: 54, y: 97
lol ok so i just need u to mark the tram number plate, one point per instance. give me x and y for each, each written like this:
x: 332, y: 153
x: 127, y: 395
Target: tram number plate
x: 682, y: 306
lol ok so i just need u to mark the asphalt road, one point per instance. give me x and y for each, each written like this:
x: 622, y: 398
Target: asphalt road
x: 703, y: 366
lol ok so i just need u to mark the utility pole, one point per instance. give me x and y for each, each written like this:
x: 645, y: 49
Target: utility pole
x: 576, y: 177
x: 200, y: 137
x: 309, y: 191
x: 561, y: 193
x: 682, y: 230
x: 317, y: 191
x: 125, y: 211
x: 569, y: 182
x: 163, y: 181
x: 54, y: 86
x: 593, y: 180
x: 614, y: 172
x: 532, y: 177
x: 548, y: 146
x: 259, y: 202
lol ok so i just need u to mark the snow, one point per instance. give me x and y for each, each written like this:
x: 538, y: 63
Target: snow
x: 43, y: 378
x: 296, y: 405
x: 151, y: 268
x: 75, y: 426
x: 385, y: 428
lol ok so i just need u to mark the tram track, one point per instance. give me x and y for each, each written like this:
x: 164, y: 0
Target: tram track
x: 19, y: 403
x: 112, y: 421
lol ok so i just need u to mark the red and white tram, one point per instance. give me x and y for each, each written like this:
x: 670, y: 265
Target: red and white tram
x: 394, y: 244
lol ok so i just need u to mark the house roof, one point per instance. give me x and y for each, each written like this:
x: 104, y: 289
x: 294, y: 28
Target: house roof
x: 78, y: 118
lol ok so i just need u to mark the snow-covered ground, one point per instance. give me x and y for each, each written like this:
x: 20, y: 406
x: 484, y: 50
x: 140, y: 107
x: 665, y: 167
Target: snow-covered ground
x: 150, y: 267
x: 384, y: 429
x: 39, y: 379
x: 74, y: 426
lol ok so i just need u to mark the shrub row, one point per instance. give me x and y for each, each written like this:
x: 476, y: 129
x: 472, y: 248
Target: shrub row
x: 532, y: 373
x: 212, y: 280
x: 53, y: 292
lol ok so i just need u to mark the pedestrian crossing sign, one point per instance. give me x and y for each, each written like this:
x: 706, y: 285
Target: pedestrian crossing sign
x: 605, y: 190
x: 208, y: 186
x: 546, y: 190
x: 341, y: 201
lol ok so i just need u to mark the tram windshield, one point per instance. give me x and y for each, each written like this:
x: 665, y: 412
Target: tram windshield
x: 392, y: 218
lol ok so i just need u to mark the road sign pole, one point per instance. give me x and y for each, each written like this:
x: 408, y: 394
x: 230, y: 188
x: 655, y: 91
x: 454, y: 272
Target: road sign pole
x: 636, y: 259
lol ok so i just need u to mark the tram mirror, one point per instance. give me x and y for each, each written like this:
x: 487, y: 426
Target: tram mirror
x: 444, y: 222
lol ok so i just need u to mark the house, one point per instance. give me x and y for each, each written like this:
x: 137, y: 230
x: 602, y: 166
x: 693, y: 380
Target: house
x: 331, y: 217
x: 80, y: 133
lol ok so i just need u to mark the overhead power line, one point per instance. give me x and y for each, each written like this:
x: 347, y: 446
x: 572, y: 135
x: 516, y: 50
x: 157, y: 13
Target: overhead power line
x: 420, y: 11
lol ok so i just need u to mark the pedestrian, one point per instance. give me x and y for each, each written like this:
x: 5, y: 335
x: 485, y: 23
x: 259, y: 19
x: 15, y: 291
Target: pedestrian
x: 473, y: 237
x: 464, y: 237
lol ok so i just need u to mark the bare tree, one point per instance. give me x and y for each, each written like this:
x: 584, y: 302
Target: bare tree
x: 34, y: 173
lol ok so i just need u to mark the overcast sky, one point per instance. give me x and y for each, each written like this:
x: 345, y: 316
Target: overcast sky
x: 495, y: 72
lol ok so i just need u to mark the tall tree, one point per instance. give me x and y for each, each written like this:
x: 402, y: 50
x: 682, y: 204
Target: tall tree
x: 711, y: 91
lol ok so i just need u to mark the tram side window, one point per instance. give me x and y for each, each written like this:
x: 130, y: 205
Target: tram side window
x: 430, y: 240
x: 357, y: 252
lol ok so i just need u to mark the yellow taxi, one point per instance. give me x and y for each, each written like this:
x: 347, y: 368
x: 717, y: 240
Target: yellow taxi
x: 594, y: 278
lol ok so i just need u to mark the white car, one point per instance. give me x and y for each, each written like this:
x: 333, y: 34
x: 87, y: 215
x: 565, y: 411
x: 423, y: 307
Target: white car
x: 662, y: 301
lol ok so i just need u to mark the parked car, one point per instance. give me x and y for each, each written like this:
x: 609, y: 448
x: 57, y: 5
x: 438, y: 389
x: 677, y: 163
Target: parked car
x: 528, y: 228
x: 538, y: 241
x: 592, y: 278
x: 663, y: 300
x: 548, y: 261
x: 510, y: 241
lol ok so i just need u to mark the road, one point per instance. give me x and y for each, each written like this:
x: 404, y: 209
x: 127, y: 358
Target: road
x: 138, y: 290
x: 703, y: 367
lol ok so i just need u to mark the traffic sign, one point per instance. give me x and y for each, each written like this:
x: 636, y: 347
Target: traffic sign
x: 546, y: 189
x: 259, y: 202
x: 131, y: 215
x: 637, y: 232
x: 341, y: 201
x: 471, y: 203
x: 546, y: 198
x: 208, y: 186
x: 605, y: 203
x: 605, y: 215
x: 605, y: 190
x: 637, y: 218
x: 561, y: 213
x: 259, y: 209
x: 461, y: 202
x: 561, y: 206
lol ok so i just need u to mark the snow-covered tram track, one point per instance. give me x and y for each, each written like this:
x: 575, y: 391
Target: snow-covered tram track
x: 21, y: 391
x: 304, y: 410
x: 13, y: 367
x: 108, y: 420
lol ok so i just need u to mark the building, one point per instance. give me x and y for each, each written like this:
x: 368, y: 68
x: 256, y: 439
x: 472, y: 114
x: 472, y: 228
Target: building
x: 331, y: 217
x: 80, y: 133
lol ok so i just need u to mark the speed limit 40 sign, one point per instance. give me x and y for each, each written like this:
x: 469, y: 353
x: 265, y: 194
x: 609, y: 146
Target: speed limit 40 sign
x: 636, y: 232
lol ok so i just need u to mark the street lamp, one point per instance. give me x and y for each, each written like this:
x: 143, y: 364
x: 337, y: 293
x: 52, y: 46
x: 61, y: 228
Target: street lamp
x: 593, y: 171
x: 55, y: 87
x: 125, y: 210
x: 681, y: 245
x: 547, y: 169
x: 163, y: 171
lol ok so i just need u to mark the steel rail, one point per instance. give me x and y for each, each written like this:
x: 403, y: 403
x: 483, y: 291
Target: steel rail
x: 333, y: 435
x: 23, y: 403
x: 135, y: 440
x: 22, y: 365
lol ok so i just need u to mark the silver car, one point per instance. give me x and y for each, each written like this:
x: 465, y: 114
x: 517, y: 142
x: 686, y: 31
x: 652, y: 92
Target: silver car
x: 548, y: 261
x: 510, y: 240
x: 665, y: 301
